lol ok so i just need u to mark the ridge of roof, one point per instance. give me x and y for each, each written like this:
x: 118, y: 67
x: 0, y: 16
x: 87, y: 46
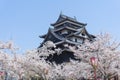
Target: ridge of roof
x: 68, y: 41
x: 67, y: 17
x: 62, y: 18
x: 70, y: 28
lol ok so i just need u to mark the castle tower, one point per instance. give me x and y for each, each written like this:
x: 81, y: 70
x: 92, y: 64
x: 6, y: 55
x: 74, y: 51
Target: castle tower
x: 67, y: 31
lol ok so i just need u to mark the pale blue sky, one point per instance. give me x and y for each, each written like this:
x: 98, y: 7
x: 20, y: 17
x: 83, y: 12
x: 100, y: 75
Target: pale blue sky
x: 24, y: 20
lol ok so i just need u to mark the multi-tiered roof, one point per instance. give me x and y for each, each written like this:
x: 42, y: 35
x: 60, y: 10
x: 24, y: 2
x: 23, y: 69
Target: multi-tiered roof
x: 67, y: 30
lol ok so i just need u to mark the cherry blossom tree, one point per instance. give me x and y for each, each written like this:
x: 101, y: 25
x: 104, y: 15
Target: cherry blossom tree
x: 33, y: 63
x: 11, y: 62
x: 36, y: 64
x: 105, y: 51
x: 4, y: 56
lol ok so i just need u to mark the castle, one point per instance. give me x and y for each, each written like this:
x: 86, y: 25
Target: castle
x: 66, y: 31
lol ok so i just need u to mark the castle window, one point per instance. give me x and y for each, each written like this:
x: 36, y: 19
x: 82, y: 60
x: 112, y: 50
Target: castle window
x: 69, y: 32
x: 80, y: 40
x: 64, y: 32
x: 83, y: 34
x: 75, y: 39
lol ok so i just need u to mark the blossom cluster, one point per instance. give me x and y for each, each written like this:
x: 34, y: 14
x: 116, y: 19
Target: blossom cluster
x: 34, y: 64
